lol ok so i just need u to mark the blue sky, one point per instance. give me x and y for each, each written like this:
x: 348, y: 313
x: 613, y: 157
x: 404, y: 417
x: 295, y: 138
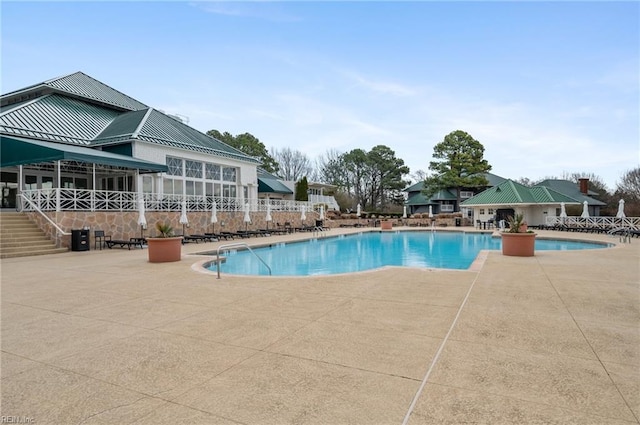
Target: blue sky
x: 547, y: 87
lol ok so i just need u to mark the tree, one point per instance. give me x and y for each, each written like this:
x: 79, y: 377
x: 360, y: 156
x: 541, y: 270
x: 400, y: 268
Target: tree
x: 596, y: 183
x: 249, y: 145
x: 386, y: 172
x: 458, y: 164
x: 302, y: 190
x: 629, y: 189
x: 525, y: 181
x: 357, y: 177
x: 331, y: 169
x: 292, y: 165
x: 629, y: 185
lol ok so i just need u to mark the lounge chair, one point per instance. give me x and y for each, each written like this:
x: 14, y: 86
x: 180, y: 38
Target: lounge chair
x: 219, y: 236
x: 124, y: 243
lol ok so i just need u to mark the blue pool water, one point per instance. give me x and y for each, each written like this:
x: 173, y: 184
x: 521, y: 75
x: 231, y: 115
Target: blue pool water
x: 372, y: 250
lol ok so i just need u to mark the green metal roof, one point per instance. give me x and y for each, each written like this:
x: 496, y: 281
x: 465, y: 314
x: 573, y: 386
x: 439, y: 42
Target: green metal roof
x: 417, y: 198
x: 268, y: 183
x: 17, y: 151
x: 571, y: 189
x: 82, y: 111
x: 56, y: 118
x: 513, y: 193
x: 155, y: 127
x: 78, y: 85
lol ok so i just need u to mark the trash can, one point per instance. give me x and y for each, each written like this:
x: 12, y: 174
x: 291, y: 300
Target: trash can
x: 80, y: 240
x: 458, y: 222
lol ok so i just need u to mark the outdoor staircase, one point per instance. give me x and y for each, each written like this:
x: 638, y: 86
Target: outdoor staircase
x: 20, y: 237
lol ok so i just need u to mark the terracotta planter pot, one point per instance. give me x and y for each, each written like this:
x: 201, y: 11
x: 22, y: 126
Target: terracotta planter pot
x: 164, y: 250
x: 386, y: 225
x: 518, y: 244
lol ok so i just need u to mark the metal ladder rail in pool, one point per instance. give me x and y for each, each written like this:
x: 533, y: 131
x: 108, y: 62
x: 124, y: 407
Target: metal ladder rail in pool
x: 317, y: 232
x: 624, y: 233
x: 238, y: 244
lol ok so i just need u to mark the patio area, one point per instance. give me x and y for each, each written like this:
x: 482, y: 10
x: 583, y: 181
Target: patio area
x: 104, y: 337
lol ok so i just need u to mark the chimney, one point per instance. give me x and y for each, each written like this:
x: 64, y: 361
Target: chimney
x: 584, y: 185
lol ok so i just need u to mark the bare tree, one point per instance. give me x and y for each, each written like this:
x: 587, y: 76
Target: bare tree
x: 629, y: 185
x: 293, y: 165
x: 419, y: 176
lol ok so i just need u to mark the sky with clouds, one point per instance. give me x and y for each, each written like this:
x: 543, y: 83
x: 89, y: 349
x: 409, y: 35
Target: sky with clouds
x: 547, y: 87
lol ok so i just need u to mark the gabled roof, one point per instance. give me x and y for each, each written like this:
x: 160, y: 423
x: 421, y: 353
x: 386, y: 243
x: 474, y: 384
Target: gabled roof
x: 268, y: 183
x: 76, y: 85
x: 513, y: 193
x: 76, y: 109
x: 417, y: 198
x: 571, y: 189
x: 56, y: 118
x: 151, y: 125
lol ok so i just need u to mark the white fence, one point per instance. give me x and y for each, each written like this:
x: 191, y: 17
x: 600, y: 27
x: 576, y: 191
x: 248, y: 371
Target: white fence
x: 604, y: 223
x: 59, y: 199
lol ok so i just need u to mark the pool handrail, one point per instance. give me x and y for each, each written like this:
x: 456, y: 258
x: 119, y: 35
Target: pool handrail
x: 244, y: 244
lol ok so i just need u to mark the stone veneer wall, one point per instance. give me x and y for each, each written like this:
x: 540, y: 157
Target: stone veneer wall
x: 124, y: 225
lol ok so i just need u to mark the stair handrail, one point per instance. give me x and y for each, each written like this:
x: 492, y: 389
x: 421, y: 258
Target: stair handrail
x: 229, y: 245
x: 35, y: 208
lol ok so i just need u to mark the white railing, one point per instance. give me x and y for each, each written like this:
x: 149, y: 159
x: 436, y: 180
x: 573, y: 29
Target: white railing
x: 594, y: 222
x: 35, y: 208
x: 108, y: 200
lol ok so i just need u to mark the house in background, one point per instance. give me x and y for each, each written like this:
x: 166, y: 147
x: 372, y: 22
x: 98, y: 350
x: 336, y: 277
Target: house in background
x: 509, y: 198
x: 272, y: 187
x: 444, y: 201
x: 580, y: 192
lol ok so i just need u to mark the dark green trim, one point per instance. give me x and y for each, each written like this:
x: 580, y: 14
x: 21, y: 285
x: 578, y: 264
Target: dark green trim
x: 16, y: 151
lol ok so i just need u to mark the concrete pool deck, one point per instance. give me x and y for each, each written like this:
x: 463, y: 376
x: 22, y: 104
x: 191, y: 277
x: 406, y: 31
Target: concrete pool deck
x: 104, y: 337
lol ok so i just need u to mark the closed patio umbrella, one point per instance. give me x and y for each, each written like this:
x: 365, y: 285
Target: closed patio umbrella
x: 563, y: 210
x: 358, y: 210
x: 430, y: 211
x: 404, y: 212
x: 247, y: 216
x: 268, y: 217
x: 214, y: 215
x: 321, y: 212
x: 183, y: 216
x: 303, y: 214
x: 142, y: 221
x: 621, y: 213
x: 585, y: 210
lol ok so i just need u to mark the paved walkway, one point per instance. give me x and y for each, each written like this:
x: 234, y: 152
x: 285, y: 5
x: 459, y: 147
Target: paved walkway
x: 104, y: 337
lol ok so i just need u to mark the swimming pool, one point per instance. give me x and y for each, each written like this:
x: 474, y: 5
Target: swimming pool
x: 372, y: 250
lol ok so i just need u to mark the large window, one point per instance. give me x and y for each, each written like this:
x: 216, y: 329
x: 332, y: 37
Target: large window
x: 147, y: 184
x: 212, y: 172
x: 193, y: 169
x: 198, y: 178
x: 172, y: 187
x: 229, y: 174
x: 193, y: 187
x: 229, y: 191
x: 175, y: 166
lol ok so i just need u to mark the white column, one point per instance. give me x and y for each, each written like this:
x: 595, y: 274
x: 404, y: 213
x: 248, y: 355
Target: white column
x: 57, y: 185
x: 93, y: 189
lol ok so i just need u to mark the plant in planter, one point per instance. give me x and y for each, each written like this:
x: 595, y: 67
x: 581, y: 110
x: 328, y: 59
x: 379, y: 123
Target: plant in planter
x: 165, y: 247
x: 517, y: 241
